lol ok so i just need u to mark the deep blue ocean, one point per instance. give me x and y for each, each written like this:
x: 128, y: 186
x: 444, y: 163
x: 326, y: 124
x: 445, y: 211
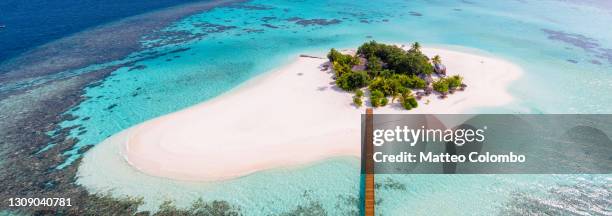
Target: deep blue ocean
x: 31, y: 23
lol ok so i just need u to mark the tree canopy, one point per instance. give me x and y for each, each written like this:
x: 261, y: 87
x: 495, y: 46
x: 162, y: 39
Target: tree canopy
x: 390, y: 72
x: 352, y: 80
x: 411, y: 62
x: 341, y: 63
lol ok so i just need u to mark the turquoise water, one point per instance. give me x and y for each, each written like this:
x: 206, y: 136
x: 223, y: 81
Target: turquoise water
x: 565, y: 73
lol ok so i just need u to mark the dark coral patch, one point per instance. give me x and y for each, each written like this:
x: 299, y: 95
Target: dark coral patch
x: 293, y: 19
x: 213, y: 28
x: 249, y: 30
x: 311, y: 22
x: 606, y: 54
x: 137, y: 67
x: 111, y: 106
x: 412, y: 13
x: 573, y: 39
x: 269, y: 25
x: 268, y: 18
x: 588, y: 44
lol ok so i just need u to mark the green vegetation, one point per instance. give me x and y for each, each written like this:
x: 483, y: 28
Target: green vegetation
x: 347, y: 79
x: 374, y: 66
x: 359, y: 93
x: 396, y: 84
x: 357, y: 101
x: 445, y: 84
x: 352, y: 80
x: 378, y: 99
x: 390, y: 71
x: 454, y: 81
x: 436, y: 59
x: 411, y: 81
x: 441, y: 86
x: 409, y: 102
x: 357, y: 98
x: 411, y: 62
x: 341, y: 63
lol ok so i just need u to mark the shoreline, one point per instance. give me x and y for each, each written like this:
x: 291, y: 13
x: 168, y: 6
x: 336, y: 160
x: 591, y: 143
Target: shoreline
x: 318, y: 121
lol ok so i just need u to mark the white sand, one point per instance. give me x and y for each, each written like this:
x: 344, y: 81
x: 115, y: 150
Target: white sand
x: 289, y: 117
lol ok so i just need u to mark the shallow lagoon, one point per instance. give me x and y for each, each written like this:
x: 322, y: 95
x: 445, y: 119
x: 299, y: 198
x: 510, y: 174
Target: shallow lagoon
x: 560, y: 45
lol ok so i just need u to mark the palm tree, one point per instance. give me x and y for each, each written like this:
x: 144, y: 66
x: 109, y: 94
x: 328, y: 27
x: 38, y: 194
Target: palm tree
x: 436, y: 59
x: 416, y: 46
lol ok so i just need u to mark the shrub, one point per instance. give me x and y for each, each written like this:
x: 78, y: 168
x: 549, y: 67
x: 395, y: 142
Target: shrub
x: 412, y: 63
x: 359, y: 93
x: 412, y: 101
x: 382, y: 51
x: 368, y: 48
x: 357, y: 101
x: 380, y: 84
x: 441, y: 86
x: 404, y: 80
x: 384, y: 101
x: 388, y: 52
x: 353, y: 80
x: 377, y: 94
x: 399, y: 92
x: 335, y: 56
x: 340, y: 69
x: 391, y: 86
x: 378, y: 98
x: 386, y: 73
x: 406, y: 105
x: 341, y: 63
x: 409, y: 102
x: 357, y: 98
x: 455, y: 81
x: 418, y: 83
x: 410, y: 81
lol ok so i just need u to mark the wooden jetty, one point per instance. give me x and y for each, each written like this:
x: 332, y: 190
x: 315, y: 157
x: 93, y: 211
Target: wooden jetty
x: 369, y: 195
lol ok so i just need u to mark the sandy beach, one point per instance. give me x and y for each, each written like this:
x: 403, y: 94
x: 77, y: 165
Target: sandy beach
x: 288, y: 117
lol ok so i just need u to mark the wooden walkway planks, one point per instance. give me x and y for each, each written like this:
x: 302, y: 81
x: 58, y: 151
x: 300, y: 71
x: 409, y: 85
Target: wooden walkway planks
x: 369, y: 164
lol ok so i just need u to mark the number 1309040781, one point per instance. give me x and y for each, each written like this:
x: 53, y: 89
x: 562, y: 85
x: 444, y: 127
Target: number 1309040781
x: 39, y: 202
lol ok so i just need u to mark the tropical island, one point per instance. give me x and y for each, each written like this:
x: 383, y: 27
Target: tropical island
x: 298, y: 114
x: 391, y: 71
